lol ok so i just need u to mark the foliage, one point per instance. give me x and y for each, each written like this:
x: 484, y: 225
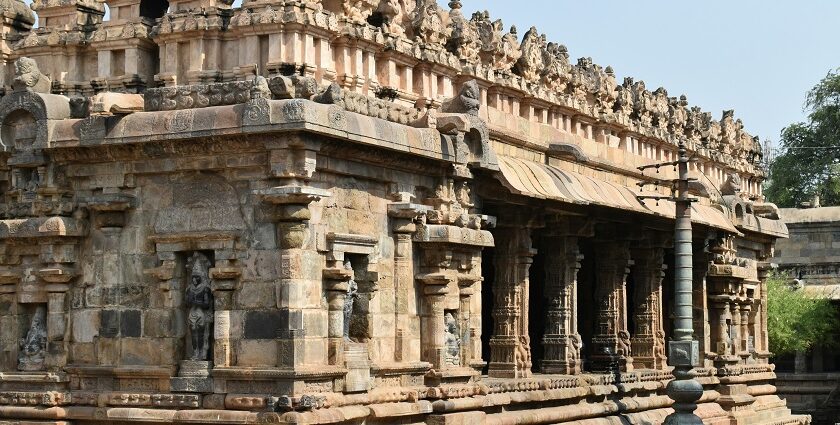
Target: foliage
x: 797, y: 321
x: 809, y: 163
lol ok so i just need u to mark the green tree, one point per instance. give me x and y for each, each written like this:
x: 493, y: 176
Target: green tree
x: 797, y: 321
x: 809, y: 162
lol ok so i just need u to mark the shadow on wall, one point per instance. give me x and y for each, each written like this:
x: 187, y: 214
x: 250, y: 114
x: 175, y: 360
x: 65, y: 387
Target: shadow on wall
x: 152, y: 9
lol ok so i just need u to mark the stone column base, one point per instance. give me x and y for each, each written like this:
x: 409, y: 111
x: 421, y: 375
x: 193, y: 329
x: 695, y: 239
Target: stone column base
x: 193, y: 377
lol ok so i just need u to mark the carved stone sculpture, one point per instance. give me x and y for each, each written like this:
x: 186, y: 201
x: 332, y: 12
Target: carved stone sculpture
x: 29, y: 77
x: 678, y: 115
x: 660, y: 108
x: 732, y: 186
x: 642, y: 104
x: 199, y: 300
x: 728, y: 131
x: 556, y: 67
x: 453, y: 340
x: 464, y: 40
x: 431, y: 23
x: 498, y: 51
x: 393, y: 14
x: 349, y: 300
x: 624, y: 98
x: 530, y: 64
x: 358, y: 11
x: 33, y: 346
x: 33, y: 182
x: 466, y: 102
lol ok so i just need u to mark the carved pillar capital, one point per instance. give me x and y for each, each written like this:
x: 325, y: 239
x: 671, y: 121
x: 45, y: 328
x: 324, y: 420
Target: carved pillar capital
x: 110, y: 209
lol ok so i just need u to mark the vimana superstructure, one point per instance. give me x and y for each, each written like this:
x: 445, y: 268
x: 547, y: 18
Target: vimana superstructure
x: 359, y: 212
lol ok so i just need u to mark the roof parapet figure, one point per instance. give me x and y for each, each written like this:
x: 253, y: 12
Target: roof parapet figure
x: 29, y: 77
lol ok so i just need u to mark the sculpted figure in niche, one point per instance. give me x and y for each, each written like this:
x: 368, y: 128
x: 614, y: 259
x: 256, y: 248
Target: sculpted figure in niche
x: 624, y: 343
x: 453, y: 340
x: 349, y: 300
x: 199, y: 300
x: 33, y: 346
x: 33, y: 182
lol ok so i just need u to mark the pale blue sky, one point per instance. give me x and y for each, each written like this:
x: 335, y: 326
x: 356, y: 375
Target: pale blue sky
x: 757, y: 57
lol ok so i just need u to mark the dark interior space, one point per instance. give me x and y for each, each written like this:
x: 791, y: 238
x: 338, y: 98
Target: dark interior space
x: 630, y: 289
x: 153, y: 9
x: 668, y: 296
x: 586, y: 300
x: 488, y: 272
x: 536, y: 308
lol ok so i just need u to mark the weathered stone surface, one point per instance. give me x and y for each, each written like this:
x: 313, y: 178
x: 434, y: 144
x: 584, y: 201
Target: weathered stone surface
x: 325, y: 210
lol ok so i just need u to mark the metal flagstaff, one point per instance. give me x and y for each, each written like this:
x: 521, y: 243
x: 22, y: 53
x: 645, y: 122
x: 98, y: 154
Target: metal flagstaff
x: 683, y: 350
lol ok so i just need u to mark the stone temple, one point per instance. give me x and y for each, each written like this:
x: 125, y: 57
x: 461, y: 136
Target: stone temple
x: 358, y: 212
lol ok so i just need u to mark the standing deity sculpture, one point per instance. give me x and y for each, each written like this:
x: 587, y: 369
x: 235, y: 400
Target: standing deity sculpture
x: 694, y: 123
x: 199, y: 300
x: 556, y: 67
x: 453, y: 340
x: 464, y: 40
x: 677, y: 115
x: 350, y: 299
x: 624, y: 101
x: 660, y: 108
x: 431, y: 23
x: 33, y: 346
x: 530, y: 64
x: 358, y: 11
x: 728, y: 131
x: 393, y: 14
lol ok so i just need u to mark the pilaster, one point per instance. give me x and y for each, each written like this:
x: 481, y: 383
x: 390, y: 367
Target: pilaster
x: 510, y: 351
x: 648, y: 341
x: 561, y: 340
x: 611, y: 341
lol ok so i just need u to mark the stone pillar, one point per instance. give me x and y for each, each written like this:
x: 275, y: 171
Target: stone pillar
x: 702, y: 328
x: 56, y: 353
x: 336, y: 284
x: 222, y: 304
x: 648, y: 342
x: 744, y: 345
x: 56, y: 275
x: 722, y: 326
x: 762, y: 343
x: 407, y: 342
x: 432, y: 324
x: 510, y: 352
x: 300, y: 285
x: 611, y: 341
x: 736, y: 344
x: 466, y: 292
x: 561, y: 339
